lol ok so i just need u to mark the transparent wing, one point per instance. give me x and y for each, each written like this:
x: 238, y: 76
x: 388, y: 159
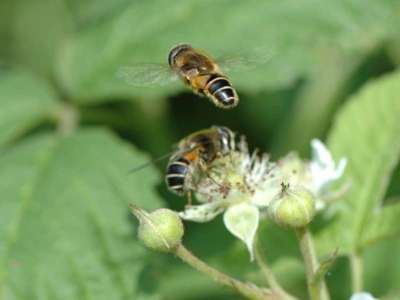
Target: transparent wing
x: 146, y: 74
x: 247, y: 61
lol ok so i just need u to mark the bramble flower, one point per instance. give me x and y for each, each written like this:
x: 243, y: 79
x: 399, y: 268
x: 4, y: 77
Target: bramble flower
x: 243, y: 186
x: 316, y: 175
x: 239, y: 185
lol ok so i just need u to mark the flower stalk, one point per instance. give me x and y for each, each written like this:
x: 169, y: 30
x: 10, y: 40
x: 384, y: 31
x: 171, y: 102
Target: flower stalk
x: 317, y: 288
x: 356, y: 267
x: 248, y: 290
x: 269, y: 275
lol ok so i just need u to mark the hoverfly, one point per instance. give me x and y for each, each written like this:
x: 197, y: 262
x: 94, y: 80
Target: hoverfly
x: 197, y: 70
x: 194, y: 154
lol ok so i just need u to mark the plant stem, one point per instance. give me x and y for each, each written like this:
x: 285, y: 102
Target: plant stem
x: 356, y: 266
x: 316, y: 288
x: 248, y: 290
x: 269, y: 275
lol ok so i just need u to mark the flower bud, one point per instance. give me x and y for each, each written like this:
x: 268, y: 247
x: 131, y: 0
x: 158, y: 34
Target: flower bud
x: 162, y: 230
x: 293, y: 207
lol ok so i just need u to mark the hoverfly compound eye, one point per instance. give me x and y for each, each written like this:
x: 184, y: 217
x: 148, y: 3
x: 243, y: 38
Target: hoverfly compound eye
x: 175, y: 51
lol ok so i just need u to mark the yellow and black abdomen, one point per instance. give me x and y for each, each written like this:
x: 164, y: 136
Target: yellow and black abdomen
x: 221, y: 92
x: 177, y: 174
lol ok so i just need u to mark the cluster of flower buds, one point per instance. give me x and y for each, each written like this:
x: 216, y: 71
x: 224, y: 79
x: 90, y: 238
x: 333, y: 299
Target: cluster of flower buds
x: 247, y: 187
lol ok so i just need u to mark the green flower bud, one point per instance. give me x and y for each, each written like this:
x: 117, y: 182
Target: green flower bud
x: 293, y: 207
x: 162, y: 230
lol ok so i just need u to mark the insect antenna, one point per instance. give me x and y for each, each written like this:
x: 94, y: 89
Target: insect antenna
x: 152, y: 161
x: 156, y: 160
x: 164, y: 156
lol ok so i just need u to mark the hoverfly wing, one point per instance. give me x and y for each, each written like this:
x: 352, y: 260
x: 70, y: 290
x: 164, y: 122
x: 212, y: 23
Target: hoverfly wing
x: 146, y: 74
x: 245, y: 62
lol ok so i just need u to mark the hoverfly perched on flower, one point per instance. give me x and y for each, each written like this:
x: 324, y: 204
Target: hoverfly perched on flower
x: 191, y: 159
x: 193, y: 156
x: 197, y: 70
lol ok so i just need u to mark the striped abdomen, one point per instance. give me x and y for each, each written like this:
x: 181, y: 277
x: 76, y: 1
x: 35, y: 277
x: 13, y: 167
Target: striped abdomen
x: 176, y: 174
x: 221, y: 92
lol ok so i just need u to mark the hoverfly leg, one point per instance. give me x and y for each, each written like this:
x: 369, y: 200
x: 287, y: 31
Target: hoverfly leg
x: 189, y: 198
x: 223, y: 188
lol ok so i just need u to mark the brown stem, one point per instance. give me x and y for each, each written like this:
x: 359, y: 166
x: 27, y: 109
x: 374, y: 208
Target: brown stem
x: 248, y: 290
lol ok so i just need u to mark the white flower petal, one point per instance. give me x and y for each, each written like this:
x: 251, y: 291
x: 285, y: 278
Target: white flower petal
x: 242, y: 221
x: 202, y: 213
x: 322, y: 166
x: 263, y: 196
x: 321, y: 155
x: 362, y: 296
x: 340, y: 169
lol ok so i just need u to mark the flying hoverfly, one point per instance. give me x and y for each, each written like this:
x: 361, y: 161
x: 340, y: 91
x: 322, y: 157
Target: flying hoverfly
x: 197, y: 70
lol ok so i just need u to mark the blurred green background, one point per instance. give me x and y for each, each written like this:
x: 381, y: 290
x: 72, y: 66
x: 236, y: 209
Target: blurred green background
x: 70, y: 130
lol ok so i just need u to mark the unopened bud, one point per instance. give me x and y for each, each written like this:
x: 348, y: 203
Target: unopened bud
x: 161, y: 230
x: 293, y: 207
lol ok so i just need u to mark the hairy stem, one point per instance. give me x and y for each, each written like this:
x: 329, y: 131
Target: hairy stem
x: 248, y: 290
x: 316, y: 288
x: 269, y: 275
x: 356, y: 266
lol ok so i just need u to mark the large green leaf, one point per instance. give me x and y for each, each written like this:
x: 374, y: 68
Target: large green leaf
x: 25, y: 100
x: 65, y: 228
x: 382, y: 225
x: 299, y: 34
x: 367, y: 132
x: 34, y: 31
x: 380, y: 259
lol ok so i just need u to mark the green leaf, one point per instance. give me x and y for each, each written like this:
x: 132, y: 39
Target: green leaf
x: 65, y: 226
x: 34, y: 33
x: 25, y: 101
x: 296, y: 35
x: 5, y: 34
x: 383, y: 224
x: 367, y: 132
x: 379, y: 259
x: 89, y: 12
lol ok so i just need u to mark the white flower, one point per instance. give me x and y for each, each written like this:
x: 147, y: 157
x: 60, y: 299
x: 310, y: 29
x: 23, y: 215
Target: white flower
x: 242, y: 186
x: 323, y: 168
x: 239, y: 185
x: 362, y: 296
x: 316, y: 175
